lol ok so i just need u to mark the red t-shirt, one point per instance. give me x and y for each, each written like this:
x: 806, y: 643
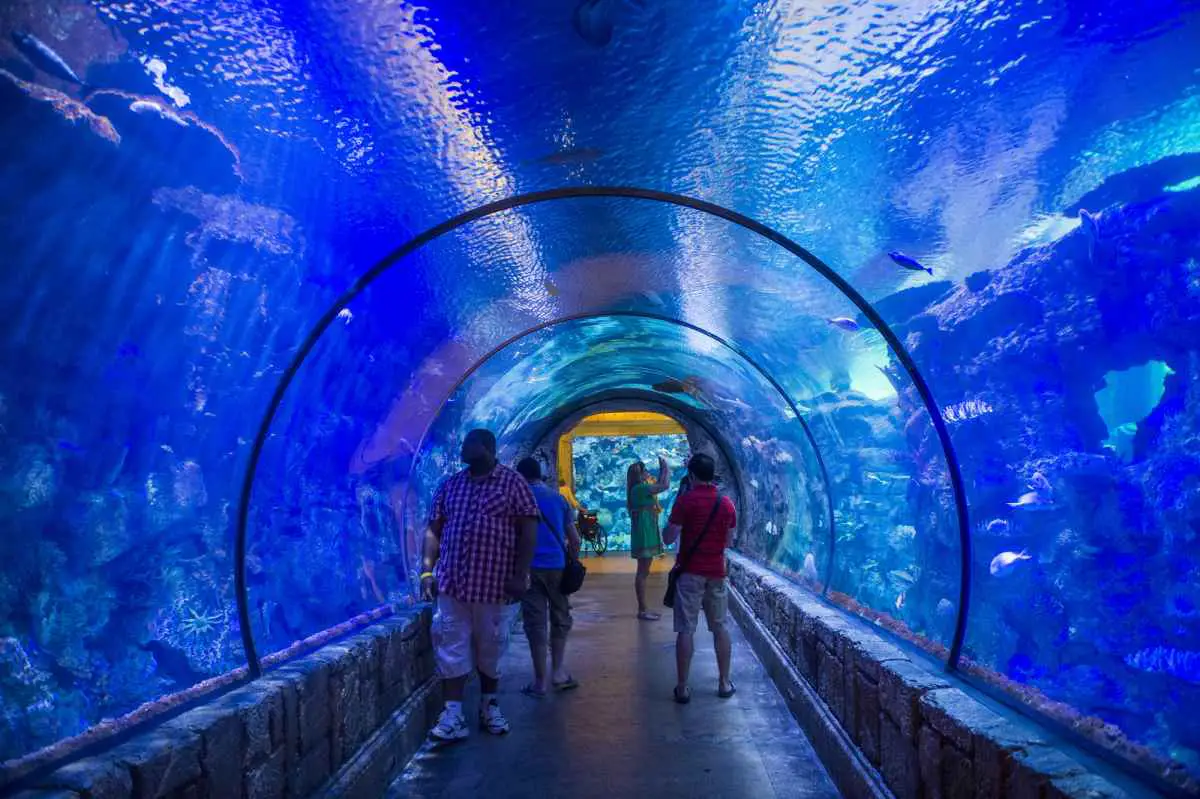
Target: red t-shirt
x: 690, y: 512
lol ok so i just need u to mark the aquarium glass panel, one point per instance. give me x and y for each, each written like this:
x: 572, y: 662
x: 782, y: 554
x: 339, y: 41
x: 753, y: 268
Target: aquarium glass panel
x: 1014, y: 186
x: 600, y: 473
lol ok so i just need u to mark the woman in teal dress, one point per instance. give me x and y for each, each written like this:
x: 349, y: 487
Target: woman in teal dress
x: 641, y: 498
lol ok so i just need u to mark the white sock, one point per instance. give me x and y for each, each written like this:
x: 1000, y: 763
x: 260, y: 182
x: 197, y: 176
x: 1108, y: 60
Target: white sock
x: 486, y: 699
x: 454, y: 707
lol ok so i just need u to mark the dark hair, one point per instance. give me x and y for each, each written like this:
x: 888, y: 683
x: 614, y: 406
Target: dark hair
x: 485, y: 437
x: 530, y: 469
x: 702, y: 467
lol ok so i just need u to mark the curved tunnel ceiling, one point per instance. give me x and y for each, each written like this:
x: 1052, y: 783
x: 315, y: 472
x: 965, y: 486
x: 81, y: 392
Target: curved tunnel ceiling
x: 524, y: 388
x: 325, y: 133
x: 412, y: 412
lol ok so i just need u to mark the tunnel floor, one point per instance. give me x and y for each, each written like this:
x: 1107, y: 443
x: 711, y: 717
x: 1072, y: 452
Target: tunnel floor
x: 620, y: 733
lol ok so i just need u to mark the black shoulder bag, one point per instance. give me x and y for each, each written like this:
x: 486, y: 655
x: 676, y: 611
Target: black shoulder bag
x: 574, y: 572
x: 677, y: 569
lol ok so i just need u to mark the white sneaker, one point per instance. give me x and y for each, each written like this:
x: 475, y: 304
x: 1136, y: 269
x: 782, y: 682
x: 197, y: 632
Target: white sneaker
x: 492, y: 720
x: 450, y: 727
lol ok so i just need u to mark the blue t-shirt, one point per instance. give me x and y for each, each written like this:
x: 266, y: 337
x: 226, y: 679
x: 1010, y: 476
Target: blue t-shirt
x: 554, y: 506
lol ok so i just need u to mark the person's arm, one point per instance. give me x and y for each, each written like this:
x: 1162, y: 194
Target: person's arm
x: 574, y: 543
x: 527, y: 513
x: 674, y: 523
x: 527, y: 529
x: 433, y: 548
x: 664, y: 477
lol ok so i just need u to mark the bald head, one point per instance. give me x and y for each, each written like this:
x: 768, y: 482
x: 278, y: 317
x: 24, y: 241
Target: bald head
x: 479, y: 451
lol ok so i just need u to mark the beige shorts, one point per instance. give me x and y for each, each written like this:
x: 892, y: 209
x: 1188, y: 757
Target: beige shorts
x: 470, y: 635
x: 693, y: 592
x: 543, y: 603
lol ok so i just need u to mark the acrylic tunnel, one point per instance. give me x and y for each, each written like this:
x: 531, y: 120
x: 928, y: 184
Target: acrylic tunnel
x: 924, y: 279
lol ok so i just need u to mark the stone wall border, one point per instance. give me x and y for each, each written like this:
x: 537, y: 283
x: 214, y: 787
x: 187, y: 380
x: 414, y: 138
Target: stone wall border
x: 908, y: 725
x: 303, y: 728
x: 390, y: 749
x: 853, y: 775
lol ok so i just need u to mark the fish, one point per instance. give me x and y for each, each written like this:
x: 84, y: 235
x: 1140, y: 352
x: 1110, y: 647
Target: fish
x: 810, y: 567
x: 1002, y: 564
x: 551, y: 289
x: 900, y: 601
x: 129, y: 350
x: 148, y: 107
x: 570, y: 156
x: 173, y: 663
x: 945, y: 607
x: 69, y: 446
x: 346, y: 315
x: 1031, y: 500
x: 845, y: 323
x: 42, y: 56
x: 1039, y: 482
x: 908, y: 262
x: 997, y: 526
x: 672, y: 386
x: 593, y: 22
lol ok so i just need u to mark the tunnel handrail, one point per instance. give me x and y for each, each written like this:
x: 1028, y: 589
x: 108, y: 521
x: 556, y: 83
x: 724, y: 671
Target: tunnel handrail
x: 615, y: 192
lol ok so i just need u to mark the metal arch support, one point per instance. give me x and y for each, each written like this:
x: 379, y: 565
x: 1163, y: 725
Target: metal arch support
x: 612, y: 192
x: 591, y: 315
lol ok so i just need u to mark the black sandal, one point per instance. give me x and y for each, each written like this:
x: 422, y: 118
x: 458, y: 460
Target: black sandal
x: 683, y: 697
x: 725, y: 693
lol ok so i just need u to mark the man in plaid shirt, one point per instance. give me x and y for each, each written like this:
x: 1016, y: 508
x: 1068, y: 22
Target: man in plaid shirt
x: 480, y: 542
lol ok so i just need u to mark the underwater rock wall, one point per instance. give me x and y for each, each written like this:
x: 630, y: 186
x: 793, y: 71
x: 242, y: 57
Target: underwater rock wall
x: 1105, y: 614
x: 150, y: 305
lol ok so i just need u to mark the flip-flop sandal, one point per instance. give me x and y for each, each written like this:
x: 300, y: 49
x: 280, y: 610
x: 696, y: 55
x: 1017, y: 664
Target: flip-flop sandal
x: 726, y: 693
x: 683, y: 697
x: 646, y: 615
x: 532, y: 692
x: 566, y: 685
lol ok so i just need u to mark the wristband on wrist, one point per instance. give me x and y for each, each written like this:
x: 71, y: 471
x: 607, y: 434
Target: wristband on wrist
x: 426, y: 574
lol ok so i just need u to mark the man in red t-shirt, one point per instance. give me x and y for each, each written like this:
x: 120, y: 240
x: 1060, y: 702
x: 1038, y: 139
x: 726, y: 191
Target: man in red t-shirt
x: 703, y: 521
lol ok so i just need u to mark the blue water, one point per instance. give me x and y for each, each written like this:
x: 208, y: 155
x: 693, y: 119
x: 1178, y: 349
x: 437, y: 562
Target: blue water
x: 169, y: 243
x: 600, y: 474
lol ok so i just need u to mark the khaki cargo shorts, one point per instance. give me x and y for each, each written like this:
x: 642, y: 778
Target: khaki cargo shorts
x: 543, y: 603
x: 694, y: 591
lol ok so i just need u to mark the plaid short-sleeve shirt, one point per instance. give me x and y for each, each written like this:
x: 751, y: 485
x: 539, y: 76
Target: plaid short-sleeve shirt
x: 479, y: 539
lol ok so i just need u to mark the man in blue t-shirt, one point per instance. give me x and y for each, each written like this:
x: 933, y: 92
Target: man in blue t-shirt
x: 556, y: 532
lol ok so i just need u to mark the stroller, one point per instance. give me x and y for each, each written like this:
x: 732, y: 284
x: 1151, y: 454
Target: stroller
x: 591, y: 532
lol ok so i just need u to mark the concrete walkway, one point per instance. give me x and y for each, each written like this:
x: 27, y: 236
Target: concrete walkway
x: 620, y: 734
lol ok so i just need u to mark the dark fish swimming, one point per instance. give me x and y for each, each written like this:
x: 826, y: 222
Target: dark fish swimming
x: 173, y: 663
x: 573, y: 155
x: 908, y: 262
x: 44, y: 58
x: 671, y: 386
x: 593, y: 22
